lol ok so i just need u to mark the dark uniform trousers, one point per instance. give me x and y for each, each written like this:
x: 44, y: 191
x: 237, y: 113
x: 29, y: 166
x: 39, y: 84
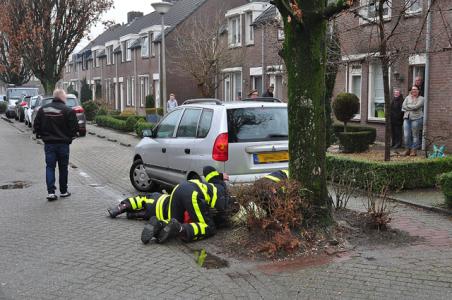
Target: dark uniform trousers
x: 197, y: 199
x: 155, y: 204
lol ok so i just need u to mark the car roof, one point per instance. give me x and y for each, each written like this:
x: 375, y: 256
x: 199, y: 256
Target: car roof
x: 234, y: 104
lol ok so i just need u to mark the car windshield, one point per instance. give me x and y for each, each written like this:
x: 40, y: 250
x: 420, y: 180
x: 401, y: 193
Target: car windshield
x: 71, y: 102
x: 258, y: 124
x: 19, y: 93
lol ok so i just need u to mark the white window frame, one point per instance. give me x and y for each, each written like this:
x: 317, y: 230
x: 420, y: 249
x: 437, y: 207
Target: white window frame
x: 128, y: 92
x: 355, y: 72
x: 230, y: 78
x: 128, y: 50
x: 96, y: 59
x: 145, y: 46
x: 235, y: 22
x: 132, y: 82
x: 249, y: 29
x: 370, y: 116
x: 364, y: 11
x: 123, y: 51
x: 409, y: 7
x: 281, y: 34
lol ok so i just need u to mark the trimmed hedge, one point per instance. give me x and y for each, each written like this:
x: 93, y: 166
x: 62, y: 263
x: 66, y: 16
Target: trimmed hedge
x: 445, y: 182
x: 124, y: 118
x: 154, y: 111
x: 355, y: 142
x: 337, y: 128
x: 396, y: 175
x: 140, y: 126
x: 110, y: 122
x: 3, y: 106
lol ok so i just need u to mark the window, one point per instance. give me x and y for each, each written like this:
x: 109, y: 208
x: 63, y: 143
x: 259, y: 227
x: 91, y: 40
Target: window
x: 145, y: 46
x: 132, y: 87
x: 249, y: 28
x: 413, y: 6
x: 129, y: 92
x: 109, y: 55
x: 169, y: 123
x: 235, y: 38
x: 257, y: 124
x: 129, y: 51
x: 369, y: 10
x: 123, y: 51
x: 355, y: 82
x: 189, y: 123
x: 204, y: 123
x: 376, y: 92
x: 281, y: 34
x: 152, y: 45
x: 256, y: 83
x: 96, y: 59
x: 144, y: 89
x: 233, y: 86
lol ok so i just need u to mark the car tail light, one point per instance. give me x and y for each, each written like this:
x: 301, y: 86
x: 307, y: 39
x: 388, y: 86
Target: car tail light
x: 23, y: 103
x: 78, y: 109
x: 221, y: 148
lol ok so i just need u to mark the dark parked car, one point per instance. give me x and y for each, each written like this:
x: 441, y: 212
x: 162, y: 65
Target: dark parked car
x: 13, y: 95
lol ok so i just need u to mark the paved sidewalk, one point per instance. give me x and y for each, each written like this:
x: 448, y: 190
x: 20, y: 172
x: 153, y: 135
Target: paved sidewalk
x: 69, y: 249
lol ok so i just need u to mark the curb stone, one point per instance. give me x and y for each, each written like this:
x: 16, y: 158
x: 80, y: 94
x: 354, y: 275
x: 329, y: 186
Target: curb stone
x: 425, y: 207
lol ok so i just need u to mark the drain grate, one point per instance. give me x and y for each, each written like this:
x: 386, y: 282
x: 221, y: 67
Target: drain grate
x: 15, y: 185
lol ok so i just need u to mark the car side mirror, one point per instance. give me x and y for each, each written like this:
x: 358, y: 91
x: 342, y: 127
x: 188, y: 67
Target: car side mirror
x: 148, y: 133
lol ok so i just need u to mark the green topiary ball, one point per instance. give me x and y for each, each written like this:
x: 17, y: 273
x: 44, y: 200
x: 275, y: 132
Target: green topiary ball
x: 345, y: 106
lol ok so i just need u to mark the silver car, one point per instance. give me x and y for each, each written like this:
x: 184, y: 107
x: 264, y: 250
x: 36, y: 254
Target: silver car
x: 246, y: 139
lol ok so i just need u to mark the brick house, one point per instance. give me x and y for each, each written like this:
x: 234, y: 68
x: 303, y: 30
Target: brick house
x: 123, y: 62
x: 361, y: 73
x: 253, y: 29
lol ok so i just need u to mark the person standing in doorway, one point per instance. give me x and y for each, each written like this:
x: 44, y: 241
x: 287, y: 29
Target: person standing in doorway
x: 413, y: 106
x: 419, y: 82
x: 396, y: 119
x: 172, y: 103
x: 56, y: 124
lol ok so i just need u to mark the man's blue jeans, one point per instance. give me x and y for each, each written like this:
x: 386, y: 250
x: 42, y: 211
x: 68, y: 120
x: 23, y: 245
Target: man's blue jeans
x: 411, y: 130
x: 56, y: 153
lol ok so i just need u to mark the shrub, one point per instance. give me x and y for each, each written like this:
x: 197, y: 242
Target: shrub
x: 445, y: 182
x: 142, y: 125
x: 124, y: 118
x: 154, y: 111
x: 354, y: 142
x: 85, y: 92
x: 345, y: 107
x: 395, y: 175
x: 130, y: 123
x: 114, y: 112
x: 3, y: 106
x: 110, y: 122
x: 102, y: 111
x: 91, y: 108
x: 71, y: 90
x: 128, y: 112
x: 150, y: 102
x: 356, y: 128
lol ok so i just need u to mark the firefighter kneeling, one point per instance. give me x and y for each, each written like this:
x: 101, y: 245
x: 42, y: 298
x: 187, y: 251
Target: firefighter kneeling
x: 194, y: 210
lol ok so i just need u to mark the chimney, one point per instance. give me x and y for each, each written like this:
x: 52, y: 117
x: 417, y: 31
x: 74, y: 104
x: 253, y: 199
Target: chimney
x: 132, y: 15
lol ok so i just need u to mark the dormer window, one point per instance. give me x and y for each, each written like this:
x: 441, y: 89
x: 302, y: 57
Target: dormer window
x: 249, y: 29
x: 235, y: 38
x: 413, y: 7
x: 145, y: 46
x: 129, y: 51
x: 369, y: 10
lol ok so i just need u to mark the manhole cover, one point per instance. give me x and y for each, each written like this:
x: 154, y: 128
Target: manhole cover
x: 15, y: 185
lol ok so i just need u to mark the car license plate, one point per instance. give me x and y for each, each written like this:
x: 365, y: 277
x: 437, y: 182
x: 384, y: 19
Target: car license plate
x: 271, y: 157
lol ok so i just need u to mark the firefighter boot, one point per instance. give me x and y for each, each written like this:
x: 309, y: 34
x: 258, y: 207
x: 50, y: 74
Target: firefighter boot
x: 117, y: 210
x: 151, y: 230
x: 172, y: 229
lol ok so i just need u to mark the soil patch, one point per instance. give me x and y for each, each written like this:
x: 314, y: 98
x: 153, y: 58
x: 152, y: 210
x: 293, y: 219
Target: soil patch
x: 376, y: 153
x: 350, y: 232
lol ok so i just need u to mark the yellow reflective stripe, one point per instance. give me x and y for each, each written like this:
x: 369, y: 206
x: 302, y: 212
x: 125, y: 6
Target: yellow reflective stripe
x: 214, y: 197
x: 132, y: 202
x: 194, y: 201
x: 139, y: 202
x: 203, y: 227
x: 212, y: 174
x: 170, y: 202
x: 203, y: 189
x: 195, y: 229
x: 286, y: 172
x: 272, y: 178
x: 159, y: 207
x: 149, y: 200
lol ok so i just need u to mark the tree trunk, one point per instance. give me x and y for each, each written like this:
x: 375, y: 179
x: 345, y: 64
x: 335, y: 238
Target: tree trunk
x: 48, y: 84
x: 304, y: 54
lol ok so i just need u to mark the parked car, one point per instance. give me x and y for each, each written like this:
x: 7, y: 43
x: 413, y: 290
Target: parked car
x: 29, y: 110
x: 71, y: 102
x: 245, y: 139
x: 74, y: 103
x: 15, y: 94
x: 21, y: 106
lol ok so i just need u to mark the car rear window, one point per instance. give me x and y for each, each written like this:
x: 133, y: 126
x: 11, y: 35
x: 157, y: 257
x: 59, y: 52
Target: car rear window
x: 257, y: 124
x: 71, y: 102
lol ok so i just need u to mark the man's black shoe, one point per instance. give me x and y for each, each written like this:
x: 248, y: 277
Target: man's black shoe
x: 117, y: 210
x: 52, y: 197
x: 65, y: 195
x: 171, y: 230
x: 151, y: 230
x: 141, y: 215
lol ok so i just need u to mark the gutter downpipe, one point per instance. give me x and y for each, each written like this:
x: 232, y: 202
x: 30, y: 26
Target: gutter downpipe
x: 427, y: 73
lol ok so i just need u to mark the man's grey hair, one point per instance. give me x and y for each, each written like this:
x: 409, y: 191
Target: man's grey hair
x: 60, y: 94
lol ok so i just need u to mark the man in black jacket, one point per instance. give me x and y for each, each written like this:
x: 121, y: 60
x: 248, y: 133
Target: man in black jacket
x: 57, y: 125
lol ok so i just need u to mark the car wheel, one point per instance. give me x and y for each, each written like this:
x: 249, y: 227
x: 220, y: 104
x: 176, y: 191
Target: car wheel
x: 82, y: 133
x: 139, y: 178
